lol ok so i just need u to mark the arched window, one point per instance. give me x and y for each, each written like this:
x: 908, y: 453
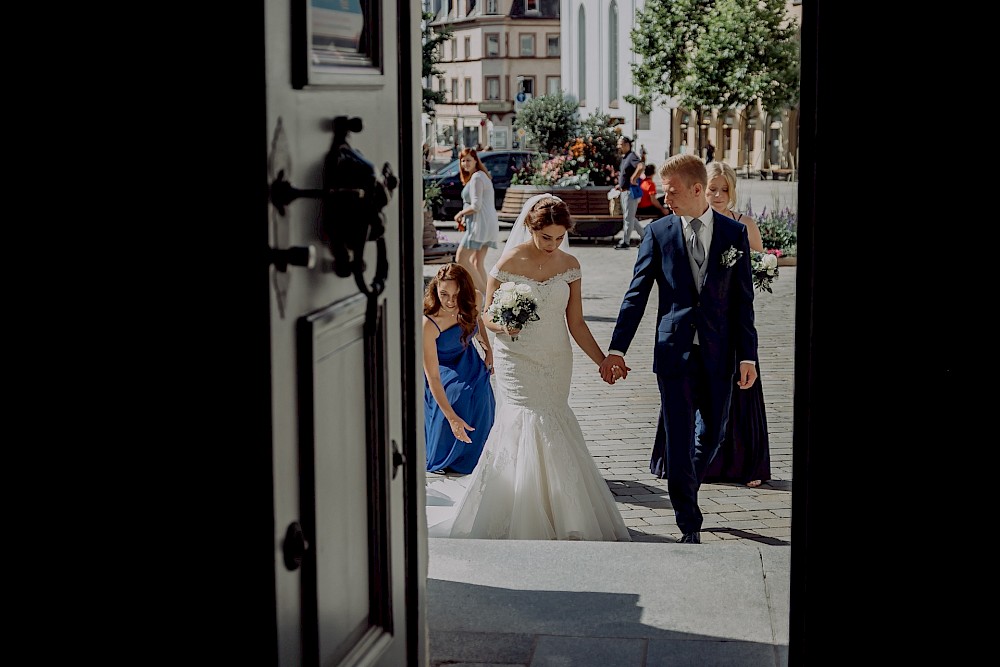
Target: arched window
x: 581, y: 56
x: 613, y: 54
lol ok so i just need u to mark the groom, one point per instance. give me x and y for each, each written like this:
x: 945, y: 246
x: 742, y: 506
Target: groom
x: 700, y: 262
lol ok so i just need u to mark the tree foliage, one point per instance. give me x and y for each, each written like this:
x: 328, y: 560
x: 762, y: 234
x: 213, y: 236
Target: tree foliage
x: 716, y: 54
x: 549, y: 121
x: 433, y: 38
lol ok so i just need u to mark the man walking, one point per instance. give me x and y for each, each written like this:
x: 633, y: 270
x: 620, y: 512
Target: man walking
x: 699, y: 261
x: 629, y: 173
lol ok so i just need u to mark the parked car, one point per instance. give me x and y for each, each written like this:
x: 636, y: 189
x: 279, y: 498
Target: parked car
x: 500, y: 164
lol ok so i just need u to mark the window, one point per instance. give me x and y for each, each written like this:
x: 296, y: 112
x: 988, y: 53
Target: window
x: 491, y: 7
x: 493, y: 88
x: 454, y: 49
x: 531, y: 5
x: 441, y: 85
x: 552, y: 45
x: 613, y: 54
x: 468, y: 89
x: 553, y: 85
x: 468, y: 48
x: 454, y: 90
x: 526, y: 84
x: 641, y: 119
x: 581, y: 57
x: 492, y: 45
x: 527, y: 45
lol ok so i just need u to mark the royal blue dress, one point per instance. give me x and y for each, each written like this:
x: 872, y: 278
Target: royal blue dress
x: 466, y: 382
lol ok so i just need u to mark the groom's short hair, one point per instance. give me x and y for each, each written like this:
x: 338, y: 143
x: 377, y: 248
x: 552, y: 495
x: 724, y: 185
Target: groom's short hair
x: 690, y: 168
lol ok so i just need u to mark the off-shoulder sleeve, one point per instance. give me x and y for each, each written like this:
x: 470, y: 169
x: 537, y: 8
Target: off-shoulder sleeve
x: 502, y: 276
x: 572, y: 275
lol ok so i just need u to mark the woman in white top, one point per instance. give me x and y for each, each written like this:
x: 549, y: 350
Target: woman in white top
x: 478, y: 219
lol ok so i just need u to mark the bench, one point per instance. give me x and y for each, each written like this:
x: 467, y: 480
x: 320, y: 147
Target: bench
x: 589, y: 208
x: 784, y: 174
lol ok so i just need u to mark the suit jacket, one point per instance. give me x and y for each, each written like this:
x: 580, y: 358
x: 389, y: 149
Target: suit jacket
x: 722, y: 313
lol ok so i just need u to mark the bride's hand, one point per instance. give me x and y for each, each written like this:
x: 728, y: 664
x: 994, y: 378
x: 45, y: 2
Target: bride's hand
x: 512, y: 331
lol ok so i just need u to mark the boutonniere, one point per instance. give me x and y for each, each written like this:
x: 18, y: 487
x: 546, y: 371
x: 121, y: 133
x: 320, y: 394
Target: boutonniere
x: 731, y: 256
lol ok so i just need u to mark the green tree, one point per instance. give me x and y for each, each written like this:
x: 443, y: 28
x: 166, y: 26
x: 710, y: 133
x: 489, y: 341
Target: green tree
x: 432, y: 40
x: 716, y: 54
x: 549, y: 121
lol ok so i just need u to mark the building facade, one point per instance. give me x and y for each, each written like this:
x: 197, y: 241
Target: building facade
x: 596, y: 69
x: 500, y: 54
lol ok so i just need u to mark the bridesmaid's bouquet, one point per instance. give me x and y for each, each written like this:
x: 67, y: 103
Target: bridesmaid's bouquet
x: 764, y: 268
x: 513, y: 306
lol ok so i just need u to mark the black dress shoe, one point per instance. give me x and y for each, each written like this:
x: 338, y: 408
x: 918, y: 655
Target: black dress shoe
x: 690, y: 538
x: 622, y: 246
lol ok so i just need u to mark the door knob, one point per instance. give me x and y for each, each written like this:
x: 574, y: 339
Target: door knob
x: 295, y: 546
x: 398, y: 459
x: 296, y: 256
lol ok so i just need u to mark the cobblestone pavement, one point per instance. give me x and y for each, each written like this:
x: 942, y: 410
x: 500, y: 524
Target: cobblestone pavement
x: 619, y: 421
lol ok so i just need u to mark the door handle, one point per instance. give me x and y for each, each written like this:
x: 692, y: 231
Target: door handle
x: 294, y: 547
x: 398, y: 459
x: 296, y: 256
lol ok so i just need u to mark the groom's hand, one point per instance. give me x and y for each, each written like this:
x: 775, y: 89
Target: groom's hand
x: 748, y: 375
x: 613, y: 368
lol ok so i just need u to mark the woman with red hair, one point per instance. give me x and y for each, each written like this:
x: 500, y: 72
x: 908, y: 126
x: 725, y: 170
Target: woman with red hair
x: 478, y: 218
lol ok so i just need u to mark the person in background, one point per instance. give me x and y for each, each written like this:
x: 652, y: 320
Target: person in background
x: 426, y: 157
x: 629, y: 172
x: 709, y: 151
x: 459, y: 405
x: 478, y: 218
x: 649, y: 205
x: 744, y: 456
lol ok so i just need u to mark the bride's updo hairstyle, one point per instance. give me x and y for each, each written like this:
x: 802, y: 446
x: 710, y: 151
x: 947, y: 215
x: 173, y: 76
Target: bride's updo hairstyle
x: 549, y: 211
x: 467, y: 313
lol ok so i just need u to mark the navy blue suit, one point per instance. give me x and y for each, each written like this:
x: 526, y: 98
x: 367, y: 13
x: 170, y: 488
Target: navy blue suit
x: 692, y: 377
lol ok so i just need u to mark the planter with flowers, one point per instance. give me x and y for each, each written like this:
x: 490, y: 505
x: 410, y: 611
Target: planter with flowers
x: 778, y: 231
x: 580, y: 175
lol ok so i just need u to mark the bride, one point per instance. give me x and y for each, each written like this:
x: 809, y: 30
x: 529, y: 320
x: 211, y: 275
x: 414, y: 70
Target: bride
x: 536, y: 478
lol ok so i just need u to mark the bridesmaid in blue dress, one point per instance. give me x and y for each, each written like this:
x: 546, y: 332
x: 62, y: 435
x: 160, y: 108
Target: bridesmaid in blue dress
x: 459, y: 405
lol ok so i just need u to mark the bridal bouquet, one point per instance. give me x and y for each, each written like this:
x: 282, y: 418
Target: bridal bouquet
x: 764, y: 267
x: 513, y: 306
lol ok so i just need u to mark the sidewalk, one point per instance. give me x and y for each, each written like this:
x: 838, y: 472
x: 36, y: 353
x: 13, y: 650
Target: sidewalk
x: 652, y: 601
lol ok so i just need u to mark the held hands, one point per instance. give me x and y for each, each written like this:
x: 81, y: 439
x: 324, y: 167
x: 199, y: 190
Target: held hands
x: 748, y: 375
x: 489, y: 361
x: 613, y: 368
x: 459, y: 428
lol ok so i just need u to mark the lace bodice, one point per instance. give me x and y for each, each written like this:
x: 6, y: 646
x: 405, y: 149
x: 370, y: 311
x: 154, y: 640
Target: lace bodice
x: 535, y: 370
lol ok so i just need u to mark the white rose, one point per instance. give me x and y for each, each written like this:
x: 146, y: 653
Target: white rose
x: 506, y: 287
x: 523, y: 288
x: 507, y: 299
x: 769, y: 261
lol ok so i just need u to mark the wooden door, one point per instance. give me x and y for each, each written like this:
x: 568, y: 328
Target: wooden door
x: 347, y: 565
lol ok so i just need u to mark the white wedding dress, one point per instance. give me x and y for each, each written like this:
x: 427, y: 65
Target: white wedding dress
x: 536, y: 479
